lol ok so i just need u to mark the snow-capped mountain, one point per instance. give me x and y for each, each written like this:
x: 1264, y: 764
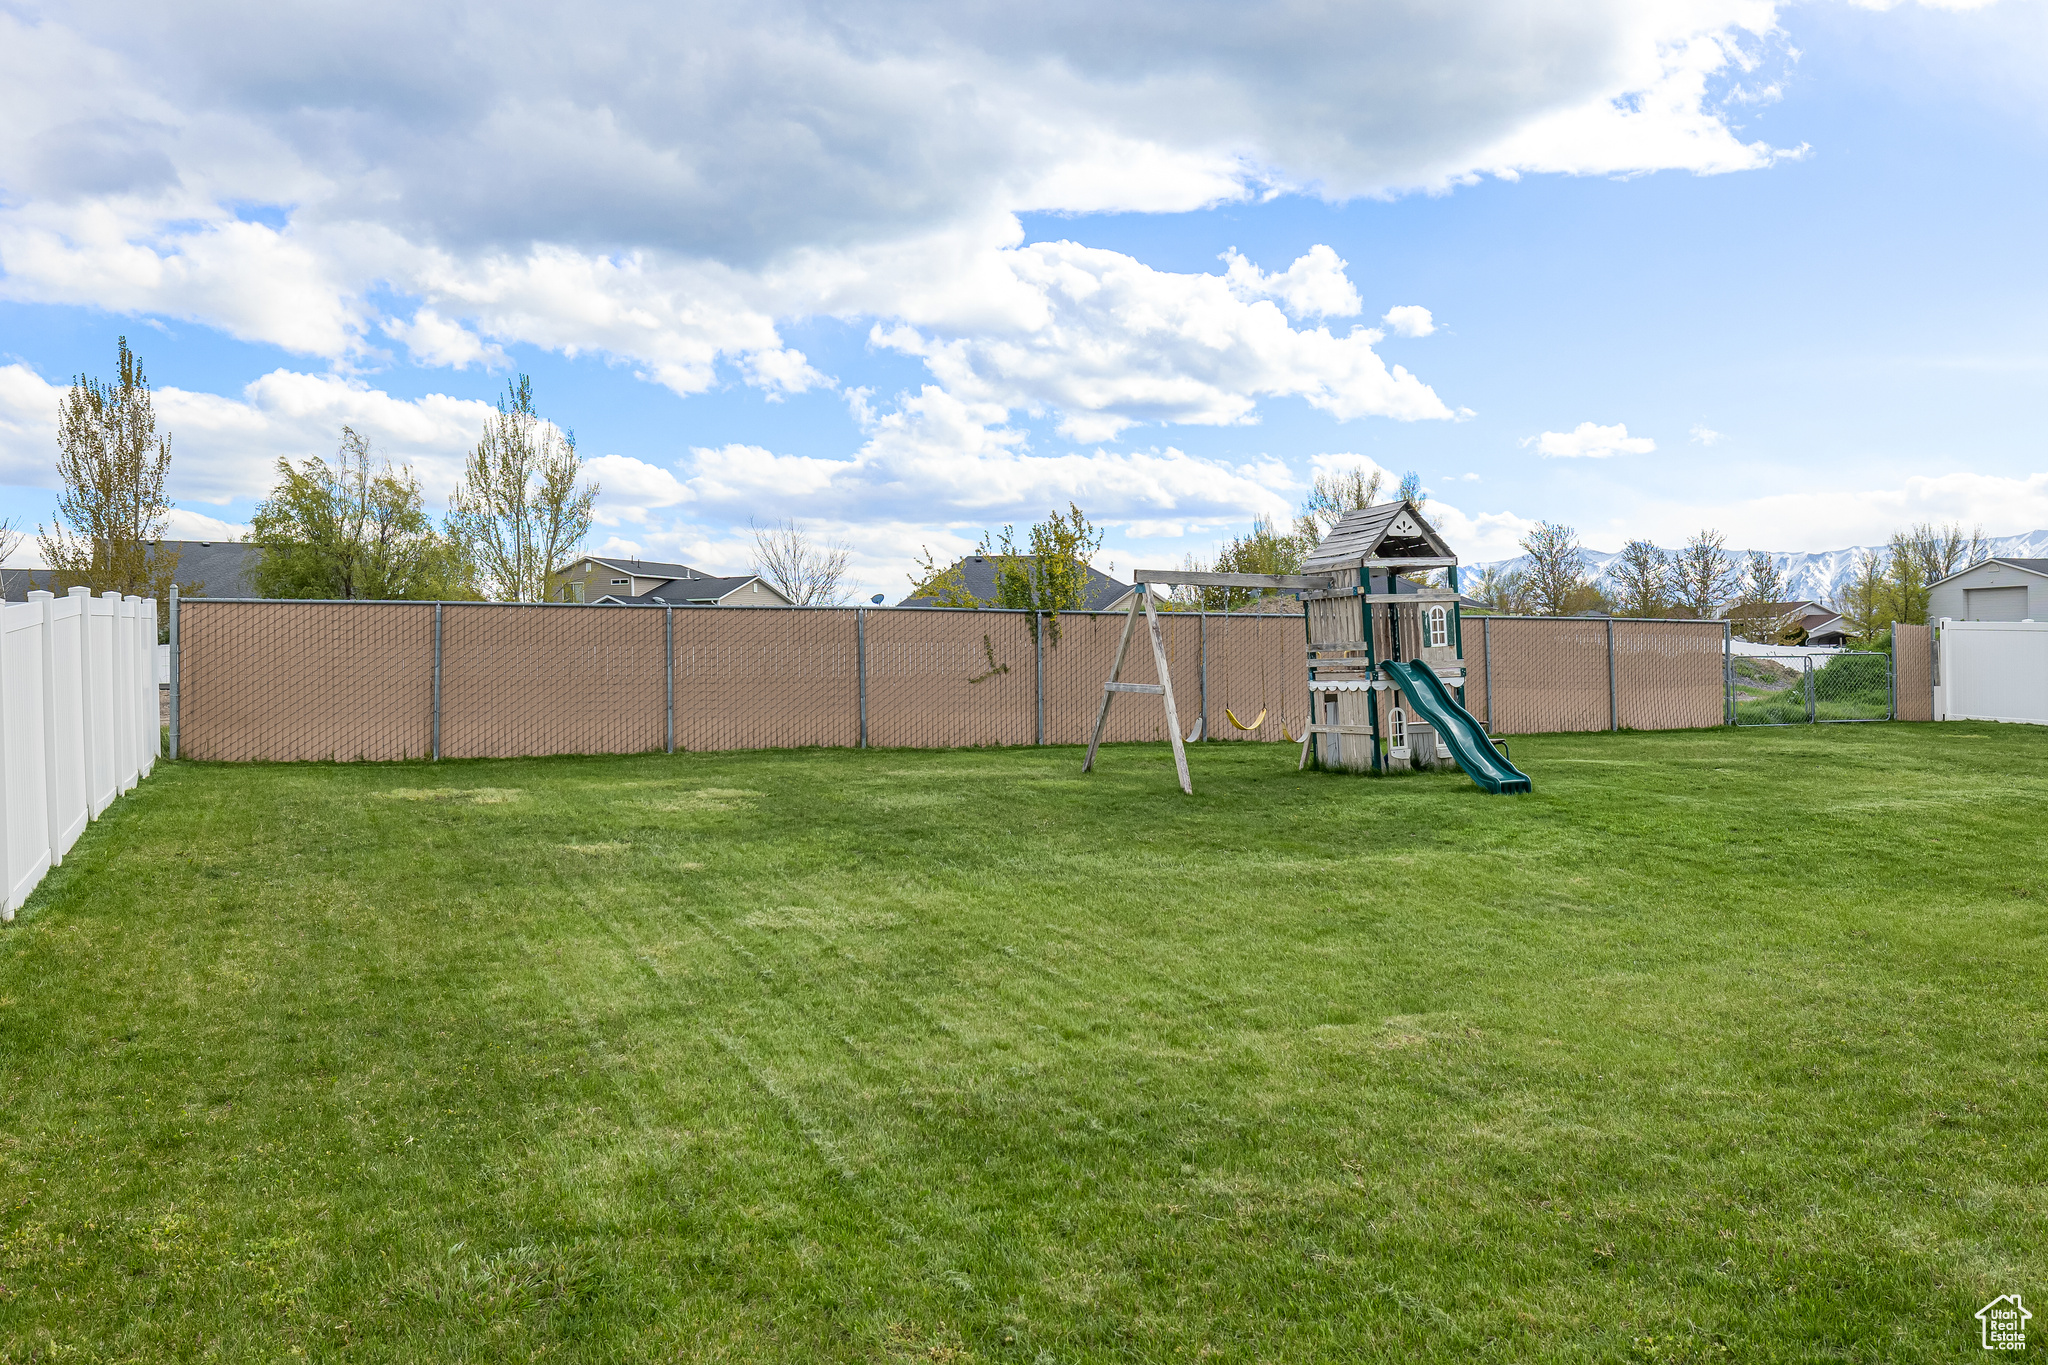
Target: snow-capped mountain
x: 1812, y: 575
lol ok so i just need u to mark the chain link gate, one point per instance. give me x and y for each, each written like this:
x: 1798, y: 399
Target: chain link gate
x: 1843, y: 687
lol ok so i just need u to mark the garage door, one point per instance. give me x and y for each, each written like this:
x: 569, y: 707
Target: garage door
x: 1995, y: 604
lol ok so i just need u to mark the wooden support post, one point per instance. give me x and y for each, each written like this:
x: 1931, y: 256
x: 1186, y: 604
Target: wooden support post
x: 1116, y: 672
x: 1372, y: 699
x: 1180, y: 754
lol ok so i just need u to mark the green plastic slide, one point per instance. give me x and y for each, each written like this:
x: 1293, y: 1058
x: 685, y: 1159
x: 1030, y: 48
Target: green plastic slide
x: 1464, y: 736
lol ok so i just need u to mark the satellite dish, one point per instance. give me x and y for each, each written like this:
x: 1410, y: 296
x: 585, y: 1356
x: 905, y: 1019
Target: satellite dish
x: 876, y: 599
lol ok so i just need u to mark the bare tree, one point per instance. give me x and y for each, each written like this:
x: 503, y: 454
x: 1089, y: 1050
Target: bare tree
x: 519, y: 513
x: 1701, y: 576
x: 1759, y: 608
x: 1411, y: 490
x: 1502, y: 590
x: 1644, y: 574
x: 1331, y: 496
x: 11, y: 537
x: 1941, y: 550
x: 1556, y: 577
x: 111, y: 512
x: 808, y: 574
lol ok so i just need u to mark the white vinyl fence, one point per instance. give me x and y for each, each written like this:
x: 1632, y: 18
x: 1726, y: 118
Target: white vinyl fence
x: 1993, y: 670
x: 78, y: 723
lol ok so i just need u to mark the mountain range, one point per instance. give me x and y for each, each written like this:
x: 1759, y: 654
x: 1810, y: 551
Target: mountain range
x: 1811, y: 575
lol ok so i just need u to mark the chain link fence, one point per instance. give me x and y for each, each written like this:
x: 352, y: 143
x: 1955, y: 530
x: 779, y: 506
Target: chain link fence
x: 386, y: 680
x: 1836, y: 687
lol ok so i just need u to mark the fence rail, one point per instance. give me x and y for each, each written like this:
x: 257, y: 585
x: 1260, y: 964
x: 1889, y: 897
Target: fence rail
x: 382, y: 680
x: 78, y: 723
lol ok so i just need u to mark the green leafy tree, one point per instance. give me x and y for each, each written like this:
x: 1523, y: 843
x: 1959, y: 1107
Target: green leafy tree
x: 1701, y: 576
x: 353, y: 530
x: 112, y: 507
x: 1047, y: 573
x: 1643, y: 574
x: 1865, y: 602
x: 520, y: 512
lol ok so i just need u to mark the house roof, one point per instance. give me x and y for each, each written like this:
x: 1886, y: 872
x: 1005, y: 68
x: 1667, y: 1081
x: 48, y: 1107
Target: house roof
x: 1387, y: 530
x: 2033, y: 566
x: 978, y: 576
x: 641, y: 568
x: 686, y: 592
x: 1801, y: 607
x: 206, y: 568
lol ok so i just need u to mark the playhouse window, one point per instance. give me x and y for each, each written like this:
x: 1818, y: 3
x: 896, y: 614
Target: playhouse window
x: 1439, y: 628
x: 1400, y: 724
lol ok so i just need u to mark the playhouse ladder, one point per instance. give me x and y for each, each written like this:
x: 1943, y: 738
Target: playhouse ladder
x: 1163, y: 689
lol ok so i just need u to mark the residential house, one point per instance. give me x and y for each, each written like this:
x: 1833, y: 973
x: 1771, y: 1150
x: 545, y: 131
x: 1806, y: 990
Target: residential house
x: 1992, y: 590
x: 608, y: 581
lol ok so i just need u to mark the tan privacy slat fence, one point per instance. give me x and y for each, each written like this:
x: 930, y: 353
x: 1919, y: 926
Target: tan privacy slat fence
x: 381, y: 680
x: 759, y: 678
x: 291, y: 680
x: 1913, y: 672
x: 1670, y: 675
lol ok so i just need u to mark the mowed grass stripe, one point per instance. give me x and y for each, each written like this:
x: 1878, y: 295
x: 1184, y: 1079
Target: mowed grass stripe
x: 1721, y: 1045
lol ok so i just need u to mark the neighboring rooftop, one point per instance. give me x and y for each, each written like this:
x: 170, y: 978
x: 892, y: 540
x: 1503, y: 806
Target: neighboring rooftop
x: 206, y: 568
x: 693, y: 592
x: 640, y: 568
x: 2039, y: 566
x: 977, y: 574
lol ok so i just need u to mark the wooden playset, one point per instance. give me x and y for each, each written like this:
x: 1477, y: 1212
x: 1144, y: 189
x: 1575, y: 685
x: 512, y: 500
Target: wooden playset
x: 1385, y: 658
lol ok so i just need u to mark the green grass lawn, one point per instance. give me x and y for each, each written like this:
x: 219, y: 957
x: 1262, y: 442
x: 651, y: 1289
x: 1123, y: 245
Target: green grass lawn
x: 1722, y: 1045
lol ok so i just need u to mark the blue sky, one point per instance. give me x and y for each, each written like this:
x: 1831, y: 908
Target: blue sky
x: 1811, y: 279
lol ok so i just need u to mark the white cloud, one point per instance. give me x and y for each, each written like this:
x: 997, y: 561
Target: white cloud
x: 1833, y: 516
x: 1591, y: 442
x: 1883, y: 5
x: 525, y: 177
x: 433, y: 340
x: 226, y: 448
x: 1109, y: 343
x: 1706, y: 435
x: 1314, y: 286
x: 1409, y: 320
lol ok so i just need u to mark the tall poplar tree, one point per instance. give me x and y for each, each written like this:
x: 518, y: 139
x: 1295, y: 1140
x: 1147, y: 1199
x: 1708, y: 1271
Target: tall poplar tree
x: 112, y: 508
x: 520, y: 511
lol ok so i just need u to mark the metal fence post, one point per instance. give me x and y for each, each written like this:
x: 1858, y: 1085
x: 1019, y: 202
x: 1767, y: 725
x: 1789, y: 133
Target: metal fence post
x: 668, y: 637
x: 860, y: 649
x: 174, y: 670
x: 437, y: 682
x: 1038, y: 679
x: 1895, y: 671
x: 1486, y: 653
x: 1728, y: 672
x: 1810, y: 711
x: 1613, y: 707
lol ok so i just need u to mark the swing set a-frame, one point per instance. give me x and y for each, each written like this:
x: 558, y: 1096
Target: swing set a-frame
x: 1386, y: 667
